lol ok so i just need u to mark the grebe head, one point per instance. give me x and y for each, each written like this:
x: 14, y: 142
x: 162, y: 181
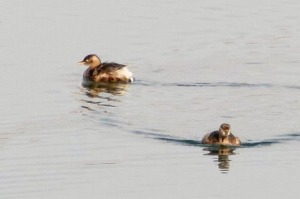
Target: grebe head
x: 224, y: 130
x: 91, y: 60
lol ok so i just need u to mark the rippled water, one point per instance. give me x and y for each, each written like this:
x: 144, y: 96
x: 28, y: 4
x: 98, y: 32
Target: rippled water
x: 197, y: 64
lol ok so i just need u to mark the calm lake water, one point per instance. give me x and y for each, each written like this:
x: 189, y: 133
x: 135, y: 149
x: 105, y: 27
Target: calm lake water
x: 197, y: 64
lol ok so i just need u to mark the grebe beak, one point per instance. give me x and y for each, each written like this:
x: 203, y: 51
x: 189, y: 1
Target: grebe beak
x: 82, y: 62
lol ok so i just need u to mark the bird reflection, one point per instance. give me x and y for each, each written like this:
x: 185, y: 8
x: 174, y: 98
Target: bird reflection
x: 96, y: 88
x: 223, y: 153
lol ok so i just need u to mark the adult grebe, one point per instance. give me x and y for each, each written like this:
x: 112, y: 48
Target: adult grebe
x: 105, y: 72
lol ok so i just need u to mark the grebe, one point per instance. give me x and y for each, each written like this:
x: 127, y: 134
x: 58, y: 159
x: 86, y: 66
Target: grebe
x: 105, y: 72
x: 223, y: 137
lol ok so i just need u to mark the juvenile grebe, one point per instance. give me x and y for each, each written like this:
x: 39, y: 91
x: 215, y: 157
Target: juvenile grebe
x: 223, y: 137
x: 105, y: 72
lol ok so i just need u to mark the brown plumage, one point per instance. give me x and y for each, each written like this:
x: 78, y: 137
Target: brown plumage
x: 105, y: 72
x: 223, y: 136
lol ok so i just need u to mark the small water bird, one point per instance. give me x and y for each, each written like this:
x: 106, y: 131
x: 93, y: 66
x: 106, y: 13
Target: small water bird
x: 223, y: 137
x: 105, y: 72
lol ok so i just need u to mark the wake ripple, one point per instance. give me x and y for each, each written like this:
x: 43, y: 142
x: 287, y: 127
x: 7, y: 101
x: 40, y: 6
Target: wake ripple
x: 215, y: 84
x: 202, y: 84
x: 197, y: 143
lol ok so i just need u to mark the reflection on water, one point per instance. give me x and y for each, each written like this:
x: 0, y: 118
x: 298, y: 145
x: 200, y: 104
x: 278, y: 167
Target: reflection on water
x: 96, y: 88
x: 223, y: 153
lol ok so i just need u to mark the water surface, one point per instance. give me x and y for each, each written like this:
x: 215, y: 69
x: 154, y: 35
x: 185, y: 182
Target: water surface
x: 196, y: 64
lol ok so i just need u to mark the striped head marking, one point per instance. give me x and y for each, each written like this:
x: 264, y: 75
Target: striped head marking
x: 225, y: 130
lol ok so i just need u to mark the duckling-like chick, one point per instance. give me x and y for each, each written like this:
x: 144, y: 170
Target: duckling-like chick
x: 105, y: 72
x: 223, y: 136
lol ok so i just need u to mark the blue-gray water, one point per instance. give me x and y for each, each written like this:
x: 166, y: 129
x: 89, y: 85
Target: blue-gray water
x: 196, y: 63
